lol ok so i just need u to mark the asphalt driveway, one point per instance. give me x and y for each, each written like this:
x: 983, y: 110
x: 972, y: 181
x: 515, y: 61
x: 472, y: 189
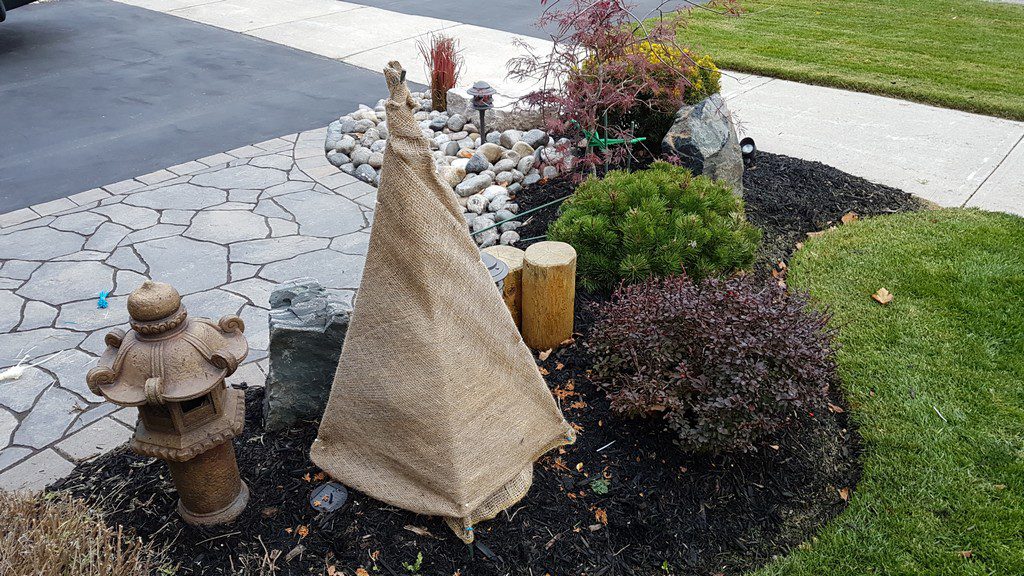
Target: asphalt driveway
x: 94, y: 91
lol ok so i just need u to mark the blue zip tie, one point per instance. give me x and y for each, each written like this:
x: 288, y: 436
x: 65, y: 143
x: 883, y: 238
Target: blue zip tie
x: 102, y: 302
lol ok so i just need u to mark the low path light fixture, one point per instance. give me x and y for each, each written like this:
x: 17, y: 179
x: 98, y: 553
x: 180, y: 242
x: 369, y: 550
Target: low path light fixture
x: 483, y: 100
x: 172, y: 367
x: 748, y: 149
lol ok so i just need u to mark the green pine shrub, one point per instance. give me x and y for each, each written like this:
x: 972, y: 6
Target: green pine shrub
x: 654, y: 222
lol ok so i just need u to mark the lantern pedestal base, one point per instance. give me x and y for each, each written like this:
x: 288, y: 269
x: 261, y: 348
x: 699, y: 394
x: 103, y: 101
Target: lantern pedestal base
x: 223, y: 516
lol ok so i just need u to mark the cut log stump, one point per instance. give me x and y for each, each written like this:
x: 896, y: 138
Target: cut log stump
x: 549, y: 294
x: 512, y: 293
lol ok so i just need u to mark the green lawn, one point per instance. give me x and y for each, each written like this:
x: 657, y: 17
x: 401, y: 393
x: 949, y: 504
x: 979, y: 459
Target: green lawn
x: 935, y: 382
x: 965, y: 54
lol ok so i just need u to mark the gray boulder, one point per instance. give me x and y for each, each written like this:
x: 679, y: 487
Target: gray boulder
x: 473, y: 185
x: 536, y: 138
x: 704, y: 138
x: 307, y: 330
x: 477, y: 163
x: 366, y: 173
x: 338, y: 159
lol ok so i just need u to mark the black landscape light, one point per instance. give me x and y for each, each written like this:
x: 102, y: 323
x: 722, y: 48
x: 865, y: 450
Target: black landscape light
x: 483, y: 100
x: 748, y: 149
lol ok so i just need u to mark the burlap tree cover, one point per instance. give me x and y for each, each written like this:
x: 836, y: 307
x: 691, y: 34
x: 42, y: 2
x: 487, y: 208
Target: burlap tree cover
x: 437, y: 406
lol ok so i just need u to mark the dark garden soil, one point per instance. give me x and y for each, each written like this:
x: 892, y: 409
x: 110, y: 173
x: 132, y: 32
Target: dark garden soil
x: 621, y: 501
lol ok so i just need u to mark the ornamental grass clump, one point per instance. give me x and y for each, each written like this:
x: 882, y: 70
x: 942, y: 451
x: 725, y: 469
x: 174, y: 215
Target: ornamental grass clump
x: 56, y: 534
x: 725, y: 362
x: 443, y: 61
x: 655, y: 222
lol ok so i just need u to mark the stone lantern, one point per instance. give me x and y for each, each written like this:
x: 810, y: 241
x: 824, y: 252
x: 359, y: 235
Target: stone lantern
x: 172, y: 367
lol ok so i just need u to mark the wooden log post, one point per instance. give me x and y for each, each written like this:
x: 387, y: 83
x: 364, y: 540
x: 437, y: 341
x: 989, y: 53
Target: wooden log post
x: 549, y: 294
x: 512, y: 293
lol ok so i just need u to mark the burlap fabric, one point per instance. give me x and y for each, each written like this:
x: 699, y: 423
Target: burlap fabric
x: 437, y: 406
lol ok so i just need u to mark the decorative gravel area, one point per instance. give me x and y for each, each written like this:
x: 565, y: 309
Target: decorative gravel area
x: 223, y: 230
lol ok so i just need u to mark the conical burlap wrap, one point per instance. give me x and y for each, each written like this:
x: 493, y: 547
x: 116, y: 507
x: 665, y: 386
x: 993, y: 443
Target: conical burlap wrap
x: 437, y: 406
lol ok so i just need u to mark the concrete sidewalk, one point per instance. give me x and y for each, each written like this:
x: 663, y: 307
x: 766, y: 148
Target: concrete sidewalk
x: 949, y: 157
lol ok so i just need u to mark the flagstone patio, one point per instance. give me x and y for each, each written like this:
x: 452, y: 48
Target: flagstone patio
x: 223, y: 230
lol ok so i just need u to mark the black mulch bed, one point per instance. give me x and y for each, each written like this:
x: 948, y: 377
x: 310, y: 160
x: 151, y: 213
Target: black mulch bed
x: 666, y: 512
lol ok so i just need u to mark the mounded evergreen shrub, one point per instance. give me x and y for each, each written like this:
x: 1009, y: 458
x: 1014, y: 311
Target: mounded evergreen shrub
x: 655, y: 222
x: 725, y: 362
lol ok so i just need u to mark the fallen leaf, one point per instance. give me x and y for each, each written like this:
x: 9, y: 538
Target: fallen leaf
x: 362, y: 572
x: 543, y: 371
x: 269, y: 511
x: 375, y: 555
x: 883, y: 296
x: 302, y: 531
x: 307, y: 478
x: 543, y: 355
x: 601, y: 516
x: 332, y: 570
x: 799, y: 245
x: 567, y: 342
x: 595, y: 527
x: 319, y: 476
x: 579, y: 467
x: 815, y: 234
x: 418, y: 531
x: 849, y: 217
x: 774, y: 447
x: 559, y: 366
x: 288, y: 530
x: 965, y: 553
x: 578, y: 404
x: 844, y: 493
